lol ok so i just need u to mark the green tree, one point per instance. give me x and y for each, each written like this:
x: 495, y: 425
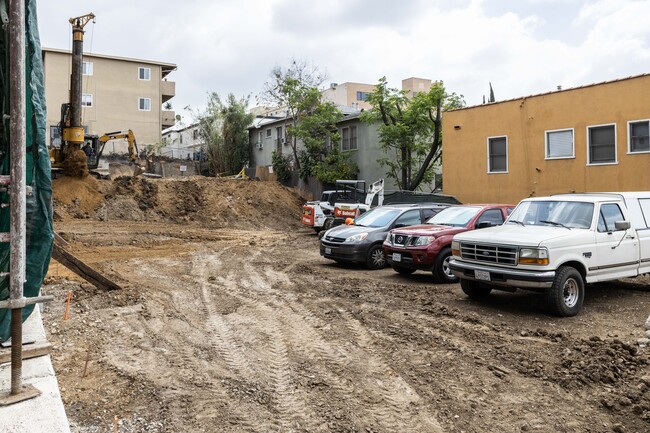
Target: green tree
x: 310, y: 120
x: 223, y: 127
x: 410, y: 130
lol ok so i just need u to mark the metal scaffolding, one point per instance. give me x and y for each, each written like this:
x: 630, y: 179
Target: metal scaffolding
x: 17, y: 203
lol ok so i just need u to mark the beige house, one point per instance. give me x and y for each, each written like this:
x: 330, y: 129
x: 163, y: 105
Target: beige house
x: 355, y: 95
x: 118, y: 94
x: 585, y: 139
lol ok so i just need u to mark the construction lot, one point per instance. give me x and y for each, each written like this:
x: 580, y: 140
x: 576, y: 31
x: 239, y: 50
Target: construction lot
x: 228, y: 320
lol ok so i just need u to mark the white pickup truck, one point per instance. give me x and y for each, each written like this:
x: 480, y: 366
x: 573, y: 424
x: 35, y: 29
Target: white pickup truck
x: 555, y: 245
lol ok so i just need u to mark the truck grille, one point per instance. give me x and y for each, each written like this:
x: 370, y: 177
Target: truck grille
x: 489, y: 253
x: 401, y: 240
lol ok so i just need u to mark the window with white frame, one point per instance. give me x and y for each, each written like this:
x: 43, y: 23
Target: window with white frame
x: 144, y: 104
x: 87, y: 100
x: 268, y: 133
x: 601, y: 144
x: 498, y: 154
x: 260, y: 137
x: 87, y: 68
x: 559, y: 144
x: 144, y: 73
x: 638, y: 136
x: 353, y: 138
x: 345, y: 139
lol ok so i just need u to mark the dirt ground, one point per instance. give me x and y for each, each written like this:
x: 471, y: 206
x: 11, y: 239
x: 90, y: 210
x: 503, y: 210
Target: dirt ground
x: 230, y: 321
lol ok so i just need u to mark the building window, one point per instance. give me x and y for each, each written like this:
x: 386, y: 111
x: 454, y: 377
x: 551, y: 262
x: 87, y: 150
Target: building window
x: 195, y: 134
x: 259, y: 141
x: 362, y: 96
x: 279, y: 139
x: 345, y: 139
x: 601, y: 143
x: 144, y: 74
x: 559, y: 144
x: 144, y: 104
x: 638, y: 136
x: 87, y: 100
x: 353, y: 138
x: 497, y: 154
x: 268, y: 133
x: 87, y: 68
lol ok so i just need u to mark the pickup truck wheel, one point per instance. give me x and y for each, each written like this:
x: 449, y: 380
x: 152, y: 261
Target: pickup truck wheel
x: 441, y: 271
x: 376, y: 258
x: 403, y: 271
x: 564, y: 298
x: 474, y: 290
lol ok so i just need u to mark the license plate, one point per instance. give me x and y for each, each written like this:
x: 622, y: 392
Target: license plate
x: 397, y: 257
x: 328, y: 251
x: 481, y: 275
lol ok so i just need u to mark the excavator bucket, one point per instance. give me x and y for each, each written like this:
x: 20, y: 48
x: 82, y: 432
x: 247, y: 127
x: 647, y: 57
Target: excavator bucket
x: 118, y: 169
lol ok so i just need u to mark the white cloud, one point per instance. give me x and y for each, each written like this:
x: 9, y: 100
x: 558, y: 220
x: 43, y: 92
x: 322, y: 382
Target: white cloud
x: 231, y: 46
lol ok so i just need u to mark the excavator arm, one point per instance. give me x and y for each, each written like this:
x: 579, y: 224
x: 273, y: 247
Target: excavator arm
x: 130, y: 138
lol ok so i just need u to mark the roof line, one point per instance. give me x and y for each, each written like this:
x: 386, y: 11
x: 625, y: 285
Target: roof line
x: 568, y: 89
x: 106, y: 56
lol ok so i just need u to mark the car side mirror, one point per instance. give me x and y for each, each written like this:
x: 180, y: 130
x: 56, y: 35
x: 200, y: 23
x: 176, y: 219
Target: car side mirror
x: 484, y: 224
x: 622, y: 225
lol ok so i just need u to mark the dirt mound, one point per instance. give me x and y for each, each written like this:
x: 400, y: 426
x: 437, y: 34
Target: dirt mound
x: 211, y: 202
x: 77, y: 197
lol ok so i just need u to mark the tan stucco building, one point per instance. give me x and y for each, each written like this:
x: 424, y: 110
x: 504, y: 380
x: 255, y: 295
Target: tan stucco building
x: 118, y: 94
x: 584, y: 139
x: 355, y: 95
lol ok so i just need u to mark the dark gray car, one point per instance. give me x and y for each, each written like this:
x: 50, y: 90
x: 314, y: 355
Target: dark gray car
x: 362, y: 242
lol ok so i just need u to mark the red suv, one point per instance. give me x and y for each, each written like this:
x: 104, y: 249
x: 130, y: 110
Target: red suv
x: 427, y: 246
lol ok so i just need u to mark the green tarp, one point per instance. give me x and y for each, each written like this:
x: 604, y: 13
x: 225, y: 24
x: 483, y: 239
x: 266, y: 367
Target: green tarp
x: 40, y: 233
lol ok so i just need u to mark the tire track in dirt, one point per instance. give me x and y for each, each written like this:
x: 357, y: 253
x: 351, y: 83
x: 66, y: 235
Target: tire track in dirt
x: 393, y: 415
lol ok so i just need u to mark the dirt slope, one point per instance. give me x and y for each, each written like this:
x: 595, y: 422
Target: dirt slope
x: 248, y: 329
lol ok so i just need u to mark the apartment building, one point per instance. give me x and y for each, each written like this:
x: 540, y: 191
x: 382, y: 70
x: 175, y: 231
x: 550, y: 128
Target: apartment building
x: 183, y: 142
x: 584, y: 139
x: 355, y: 95
x: 118, y: 93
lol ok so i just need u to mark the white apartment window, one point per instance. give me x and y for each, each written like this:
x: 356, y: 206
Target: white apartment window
x: 638, y: 136
x: 87, y: 68
x: 144, y: 104
x: 268, y: 133
x: 87, y: 100
x: 353, y: 138
x: 144, y: 73
x: 261, y: 136
x: 345, y: 139
x: 498, y: 154
x: 601, y: 144
x: 559, y: 144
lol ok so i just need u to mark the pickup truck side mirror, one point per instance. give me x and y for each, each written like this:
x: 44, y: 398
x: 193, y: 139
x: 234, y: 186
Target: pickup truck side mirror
x: 484, y: 224
x: 622, y: 225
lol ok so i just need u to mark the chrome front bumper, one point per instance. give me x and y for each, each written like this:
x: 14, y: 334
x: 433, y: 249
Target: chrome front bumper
x: 500, y: 276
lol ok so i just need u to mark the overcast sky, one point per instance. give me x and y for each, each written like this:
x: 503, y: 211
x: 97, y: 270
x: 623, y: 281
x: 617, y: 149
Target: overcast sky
x: 521, y: 46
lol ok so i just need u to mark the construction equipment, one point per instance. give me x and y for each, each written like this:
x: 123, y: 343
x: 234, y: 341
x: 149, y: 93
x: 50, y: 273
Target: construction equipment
x: 320, y: 214
x: 68, y: 156
x: 94, y: 148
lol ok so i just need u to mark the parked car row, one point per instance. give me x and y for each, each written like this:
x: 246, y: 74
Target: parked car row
x: 408, y: 237
x: 553, y: 245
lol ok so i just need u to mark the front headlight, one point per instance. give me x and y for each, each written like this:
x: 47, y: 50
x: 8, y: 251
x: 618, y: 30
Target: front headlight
x: 533, y: 256
x: 423, y: 240
x: 388, y: 240
x: 357, y: 238
x: 455, y: 248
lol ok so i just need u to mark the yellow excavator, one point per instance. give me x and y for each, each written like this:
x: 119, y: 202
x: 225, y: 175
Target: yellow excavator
x: 79, y: 152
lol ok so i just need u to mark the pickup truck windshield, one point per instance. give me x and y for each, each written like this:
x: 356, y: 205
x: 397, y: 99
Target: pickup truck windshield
x: 377, y: 217
x: 570, y: 214
x: 455, y: 216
